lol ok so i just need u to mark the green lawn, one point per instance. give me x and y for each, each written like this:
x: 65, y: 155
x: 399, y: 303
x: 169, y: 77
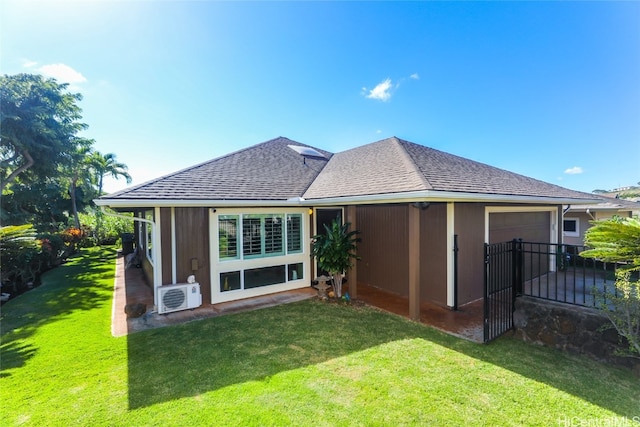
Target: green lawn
x: 307, y: 363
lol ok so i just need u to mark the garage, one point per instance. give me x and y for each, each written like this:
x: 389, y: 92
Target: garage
x: 528, y: 226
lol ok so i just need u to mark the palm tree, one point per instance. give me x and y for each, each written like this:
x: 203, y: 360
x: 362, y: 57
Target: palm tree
x: 106, y: 165
x: 77, y: 172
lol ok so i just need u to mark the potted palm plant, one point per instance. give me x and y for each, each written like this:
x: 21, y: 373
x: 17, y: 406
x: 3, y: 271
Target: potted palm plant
x: 334, y: 251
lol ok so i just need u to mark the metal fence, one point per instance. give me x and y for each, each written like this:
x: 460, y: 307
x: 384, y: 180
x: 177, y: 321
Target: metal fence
x: 558, y: 272
x: 500, y: 277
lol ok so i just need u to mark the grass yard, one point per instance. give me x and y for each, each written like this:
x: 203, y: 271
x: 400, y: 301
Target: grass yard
x: 307, y: 363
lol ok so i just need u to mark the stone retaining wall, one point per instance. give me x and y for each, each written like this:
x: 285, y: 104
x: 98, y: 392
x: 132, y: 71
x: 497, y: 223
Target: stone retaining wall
x: 570, y: 328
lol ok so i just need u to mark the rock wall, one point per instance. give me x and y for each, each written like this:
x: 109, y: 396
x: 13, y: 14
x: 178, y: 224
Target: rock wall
x: 571, y: 328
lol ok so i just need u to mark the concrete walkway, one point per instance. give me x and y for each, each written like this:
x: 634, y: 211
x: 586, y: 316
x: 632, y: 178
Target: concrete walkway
x: 137, y: 291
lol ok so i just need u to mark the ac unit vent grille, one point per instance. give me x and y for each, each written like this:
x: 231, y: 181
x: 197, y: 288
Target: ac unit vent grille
x: 173, y: 298
x: 180, y: 296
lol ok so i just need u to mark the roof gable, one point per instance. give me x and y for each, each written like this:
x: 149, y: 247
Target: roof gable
x: 267, y: 171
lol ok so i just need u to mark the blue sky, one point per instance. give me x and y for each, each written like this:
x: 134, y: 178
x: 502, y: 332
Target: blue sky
x: 547, y: 89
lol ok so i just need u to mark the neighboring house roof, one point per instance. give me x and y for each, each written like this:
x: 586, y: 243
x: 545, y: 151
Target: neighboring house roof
x: 394, y: 165
x: 390, y: 169
x: 607, y: 204
x: 267, y: 171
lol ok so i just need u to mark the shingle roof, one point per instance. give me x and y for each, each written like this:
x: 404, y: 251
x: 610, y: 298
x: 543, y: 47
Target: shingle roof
x: 394, y: 165
x: 272, y: 171
x: 379, y: 168
x: 267, y: 171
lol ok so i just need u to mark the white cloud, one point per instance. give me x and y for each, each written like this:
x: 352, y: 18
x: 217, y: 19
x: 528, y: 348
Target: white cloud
x: 414, y: 76
x: 28, y: 63
x: 381, y: 92
x: 63, y: 73
x: 378, y: 131
x: 576, y: 170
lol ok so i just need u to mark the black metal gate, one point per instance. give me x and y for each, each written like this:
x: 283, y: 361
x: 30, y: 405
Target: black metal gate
x: 503, y: 270
x: 549, y: 271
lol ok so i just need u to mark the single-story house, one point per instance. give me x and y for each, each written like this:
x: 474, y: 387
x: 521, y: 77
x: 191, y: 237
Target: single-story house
x: 242, y: 223
x: 579, y: 218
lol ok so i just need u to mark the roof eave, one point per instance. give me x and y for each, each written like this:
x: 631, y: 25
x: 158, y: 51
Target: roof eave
x: 152, y: 203
x: 445, y: 196
x: 601, y: 208
x: 404, y: 197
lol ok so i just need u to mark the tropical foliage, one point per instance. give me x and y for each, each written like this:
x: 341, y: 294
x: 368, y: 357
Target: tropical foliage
x: 618, y: 240
x: 40, y: 120
x: 24, y: 254
x: 334, y: 250
x: 18, y: 252
x: 110, y: 230
x: 49, y: 174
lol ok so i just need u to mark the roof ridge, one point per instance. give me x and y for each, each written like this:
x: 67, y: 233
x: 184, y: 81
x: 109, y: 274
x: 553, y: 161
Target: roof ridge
x: 400, y: 143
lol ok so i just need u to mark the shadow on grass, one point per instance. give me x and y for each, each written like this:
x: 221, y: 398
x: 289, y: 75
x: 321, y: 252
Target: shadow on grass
x: 190, y: 359
x: 193, y: 358
x: 74, y: 286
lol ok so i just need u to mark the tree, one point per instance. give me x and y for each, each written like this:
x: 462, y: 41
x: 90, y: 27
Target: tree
x: 41, y: 203
x: 38, y: 123
x: 618, y: 240
x: 334, y: 251
x: 77, y: 171
x: 106, y: 165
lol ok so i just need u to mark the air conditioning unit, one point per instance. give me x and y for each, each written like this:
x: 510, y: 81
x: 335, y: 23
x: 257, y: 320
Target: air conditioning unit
x: 178, y: 297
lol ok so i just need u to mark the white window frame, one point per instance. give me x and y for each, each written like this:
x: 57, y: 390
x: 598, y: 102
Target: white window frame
x: 149, y: 238
x: 243, y: 263
x: 571, y: 233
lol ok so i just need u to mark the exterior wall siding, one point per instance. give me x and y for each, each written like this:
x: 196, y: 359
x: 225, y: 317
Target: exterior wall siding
x: 384, y: 250
x: 192, y: 242
x: 469, y: 226
x: 165, y: 235
x: 433, y: 254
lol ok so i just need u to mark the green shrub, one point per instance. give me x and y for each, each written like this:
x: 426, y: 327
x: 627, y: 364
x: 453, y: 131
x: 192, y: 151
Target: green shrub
x: 618, y: 240
x: 19, y: 254
x: 105, y: 229
x: 52, y: 245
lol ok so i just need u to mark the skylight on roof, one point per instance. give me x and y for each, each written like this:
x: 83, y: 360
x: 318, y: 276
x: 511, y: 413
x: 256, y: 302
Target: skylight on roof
x: 307, y: 151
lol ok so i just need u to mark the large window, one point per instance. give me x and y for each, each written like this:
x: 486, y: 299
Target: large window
x: 263, y: 235
x: 262, y: 276
x: 259, y: 249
